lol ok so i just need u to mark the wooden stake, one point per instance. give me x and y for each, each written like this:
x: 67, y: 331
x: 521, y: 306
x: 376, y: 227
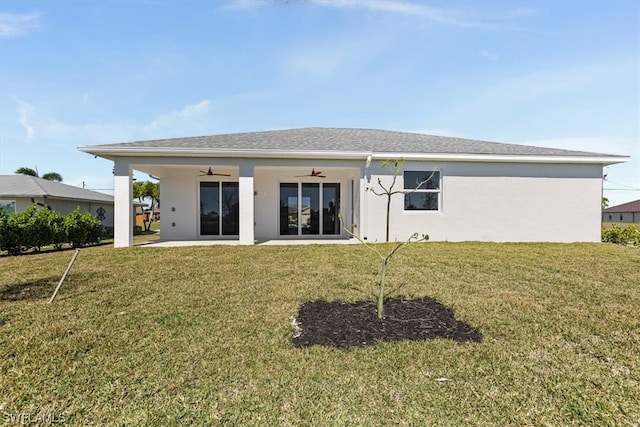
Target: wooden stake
x: 75, y: 254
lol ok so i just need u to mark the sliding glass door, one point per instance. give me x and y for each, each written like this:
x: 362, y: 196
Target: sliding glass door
x: 309, y: 209
x: 219, y: 209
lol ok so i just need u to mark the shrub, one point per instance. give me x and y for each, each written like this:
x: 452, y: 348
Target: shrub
x: 107, y: 233
x: 58, y: 231
x: 82, y: 228
x: 10, y: 233
x: 38, y: 227
x: 623, y: 236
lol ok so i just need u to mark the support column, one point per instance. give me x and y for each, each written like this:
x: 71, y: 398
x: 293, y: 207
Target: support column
x: 123, y: 206
x: 246, y: 196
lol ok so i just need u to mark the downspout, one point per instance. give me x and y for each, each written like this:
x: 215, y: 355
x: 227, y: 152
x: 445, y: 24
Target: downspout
x: 364, y: 198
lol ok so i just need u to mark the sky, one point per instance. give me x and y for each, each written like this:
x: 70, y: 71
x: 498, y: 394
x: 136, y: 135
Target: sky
x: 563, y: 74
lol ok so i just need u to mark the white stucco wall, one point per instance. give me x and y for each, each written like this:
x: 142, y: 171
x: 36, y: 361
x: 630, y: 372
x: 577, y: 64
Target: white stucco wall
x: 179, y: 193
x: 479, y: 201
x: 498, y: 202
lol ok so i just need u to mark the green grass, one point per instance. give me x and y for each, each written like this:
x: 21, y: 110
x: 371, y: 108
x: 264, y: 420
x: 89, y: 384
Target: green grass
x: 200, y: 336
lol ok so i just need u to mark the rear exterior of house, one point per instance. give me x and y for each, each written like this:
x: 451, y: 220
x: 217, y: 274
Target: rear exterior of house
x: 312, y: 183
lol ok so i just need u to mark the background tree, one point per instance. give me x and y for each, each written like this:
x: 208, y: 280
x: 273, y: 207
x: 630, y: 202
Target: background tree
x: 605, y: 203
x: 26, y: 171
x: 50, y: 176
x: 147, y: 190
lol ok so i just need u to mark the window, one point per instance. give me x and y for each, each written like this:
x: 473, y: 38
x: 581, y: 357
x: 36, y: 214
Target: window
x: 422, y: 190
x: 9, y: 206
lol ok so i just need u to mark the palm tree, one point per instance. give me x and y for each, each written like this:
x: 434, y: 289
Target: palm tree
x: 26, y: 171
x: 50, y: 176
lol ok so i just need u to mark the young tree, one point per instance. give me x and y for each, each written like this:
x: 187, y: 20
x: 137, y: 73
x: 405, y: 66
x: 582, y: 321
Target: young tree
x: 385, y: 255
x: 396, y: 168
x: 386, y: 251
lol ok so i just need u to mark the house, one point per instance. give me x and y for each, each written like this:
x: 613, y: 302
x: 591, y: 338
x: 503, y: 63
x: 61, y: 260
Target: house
x: 19, y: 192
x: 311, y: 183
x: 626, y: 212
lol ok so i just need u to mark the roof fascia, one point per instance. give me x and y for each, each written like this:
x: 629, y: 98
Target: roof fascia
x: 501, y: 158
x: 112, y: 152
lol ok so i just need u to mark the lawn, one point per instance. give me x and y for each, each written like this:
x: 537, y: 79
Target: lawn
x: 200, y: 336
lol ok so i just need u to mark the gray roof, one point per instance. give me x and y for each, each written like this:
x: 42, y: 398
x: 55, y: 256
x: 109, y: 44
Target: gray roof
x: 342, y: 140
x: 30, y: 186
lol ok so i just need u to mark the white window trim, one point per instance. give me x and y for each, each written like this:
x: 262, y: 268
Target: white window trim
x: 438, y: 191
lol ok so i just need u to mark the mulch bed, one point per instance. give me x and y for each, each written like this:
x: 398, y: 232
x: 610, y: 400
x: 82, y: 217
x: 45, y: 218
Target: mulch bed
x: 340, y: 324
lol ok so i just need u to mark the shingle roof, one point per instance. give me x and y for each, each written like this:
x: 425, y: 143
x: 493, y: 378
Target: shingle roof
x: 30, y: 186
x: 633, y: 206
x: 344, y: 140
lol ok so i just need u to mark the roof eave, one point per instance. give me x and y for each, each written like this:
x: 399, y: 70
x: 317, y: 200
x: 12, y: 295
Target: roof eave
x: 501, y: 158
x: 112, y: 152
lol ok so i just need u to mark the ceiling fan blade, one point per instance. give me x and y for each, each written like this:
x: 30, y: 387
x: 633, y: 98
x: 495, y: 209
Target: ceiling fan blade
x: 220, y: 174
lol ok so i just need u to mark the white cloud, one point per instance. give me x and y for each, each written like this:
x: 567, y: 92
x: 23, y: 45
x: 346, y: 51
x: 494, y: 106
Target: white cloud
x: 186, y: 121
x: 186, y: 115
x: 556, y: 83
x: 418, y: 10
x: 24, y: 118
x: 18, y: 24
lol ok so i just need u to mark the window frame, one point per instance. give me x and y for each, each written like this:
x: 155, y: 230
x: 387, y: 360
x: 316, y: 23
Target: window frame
x: 8, y: 202
x: 222, y: 231
x: 421, y: 189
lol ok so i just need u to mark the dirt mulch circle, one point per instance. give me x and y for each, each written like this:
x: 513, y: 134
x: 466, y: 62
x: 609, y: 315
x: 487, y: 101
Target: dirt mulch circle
x: 340, y: 324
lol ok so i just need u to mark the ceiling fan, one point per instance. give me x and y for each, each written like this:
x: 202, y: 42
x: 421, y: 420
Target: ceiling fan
x: 314, y: 173
x: 210, y: 173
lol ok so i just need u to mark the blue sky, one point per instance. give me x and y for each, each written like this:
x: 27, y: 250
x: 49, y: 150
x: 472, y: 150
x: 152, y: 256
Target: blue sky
x: 563, y: 74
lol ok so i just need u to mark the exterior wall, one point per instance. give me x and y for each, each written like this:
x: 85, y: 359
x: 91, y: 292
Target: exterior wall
x: 621, y: 217
x: 67, y: 206
x: 267, y: 200
x: 498, y: 202
x: 179, y: 192
x: 478, y: 201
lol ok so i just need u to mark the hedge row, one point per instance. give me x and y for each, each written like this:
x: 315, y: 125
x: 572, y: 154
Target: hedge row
x: 35, y: 228
x: 624, y: 236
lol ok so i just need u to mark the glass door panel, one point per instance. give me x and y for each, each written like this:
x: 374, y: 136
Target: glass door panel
x: 209, y: 208
x: 310, y: 209
x: 289, y: 221
x: 330, y: 208
x: 230, y: 209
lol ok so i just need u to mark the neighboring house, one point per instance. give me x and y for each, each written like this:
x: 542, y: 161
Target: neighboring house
x: 19, y: 192
x: 626, y: 212
x: 311, y: 183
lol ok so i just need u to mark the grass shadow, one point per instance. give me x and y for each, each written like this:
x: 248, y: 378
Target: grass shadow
x: 29, y: 291
x: 43, y: 288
